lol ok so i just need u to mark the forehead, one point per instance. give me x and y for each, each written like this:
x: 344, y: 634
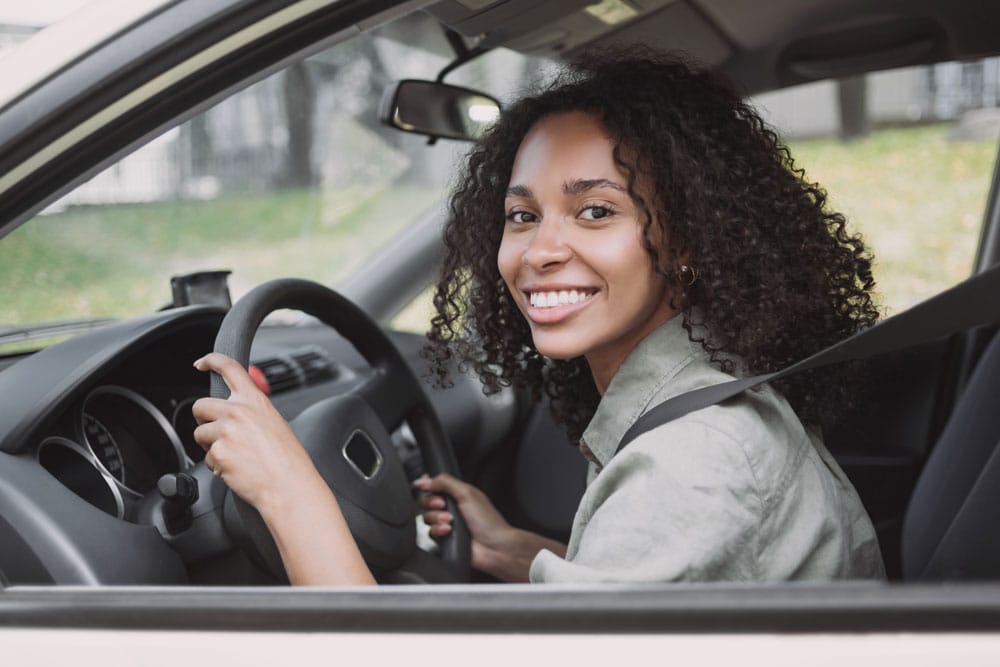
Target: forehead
x: 564, y: 147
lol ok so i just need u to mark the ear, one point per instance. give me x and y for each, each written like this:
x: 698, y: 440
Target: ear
x: 681, y: 272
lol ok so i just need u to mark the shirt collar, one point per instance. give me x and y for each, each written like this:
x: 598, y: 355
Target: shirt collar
x: 643, y: 376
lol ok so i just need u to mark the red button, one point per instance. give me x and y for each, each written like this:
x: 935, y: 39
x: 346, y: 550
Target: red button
x: 260, y: 379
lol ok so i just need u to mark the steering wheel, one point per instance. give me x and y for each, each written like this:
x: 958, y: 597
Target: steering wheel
x: 348, y: 438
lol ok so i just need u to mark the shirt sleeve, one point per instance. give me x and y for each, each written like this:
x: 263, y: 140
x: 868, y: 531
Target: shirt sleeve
x: 680, y: 503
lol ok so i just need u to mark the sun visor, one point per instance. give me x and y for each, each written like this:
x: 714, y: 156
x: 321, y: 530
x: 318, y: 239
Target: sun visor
x: 501, y: 20
x: 887, y: 43
x: 674, y: 27
x: 566, y: 26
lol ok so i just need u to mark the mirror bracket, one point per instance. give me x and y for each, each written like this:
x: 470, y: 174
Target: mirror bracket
x: 463, y: 53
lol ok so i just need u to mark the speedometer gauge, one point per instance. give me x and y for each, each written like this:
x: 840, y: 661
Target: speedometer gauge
x: 104, y: 447
x: 131, y: 438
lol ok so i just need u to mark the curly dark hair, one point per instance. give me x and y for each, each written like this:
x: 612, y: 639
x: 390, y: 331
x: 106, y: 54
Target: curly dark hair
x: 778, y: 275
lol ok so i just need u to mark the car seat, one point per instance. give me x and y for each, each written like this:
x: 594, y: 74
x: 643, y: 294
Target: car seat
x: 951, y: 529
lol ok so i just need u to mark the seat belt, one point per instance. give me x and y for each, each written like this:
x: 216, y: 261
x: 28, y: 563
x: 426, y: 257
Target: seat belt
x: 973, y: 302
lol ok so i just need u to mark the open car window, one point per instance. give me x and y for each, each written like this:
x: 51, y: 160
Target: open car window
x: 291, y: 177
x: 907, y: 155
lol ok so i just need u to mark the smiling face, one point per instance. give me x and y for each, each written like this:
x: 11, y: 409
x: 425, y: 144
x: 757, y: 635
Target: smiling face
x: 572, y: 253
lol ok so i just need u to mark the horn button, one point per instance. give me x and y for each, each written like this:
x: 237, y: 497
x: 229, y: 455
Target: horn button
x: 363, y: 455
x: 354, y: 454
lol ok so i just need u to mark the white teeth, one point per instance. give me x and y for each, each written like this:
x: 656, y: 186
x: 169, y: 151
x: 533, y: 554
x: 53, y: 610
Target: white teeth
x: 557, y: 298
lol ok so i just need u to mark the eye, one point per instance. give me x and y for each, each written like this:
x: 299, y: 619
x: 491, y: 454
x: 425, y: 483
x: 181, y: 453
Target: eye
x: 596, y: 212
x: 521, y: 216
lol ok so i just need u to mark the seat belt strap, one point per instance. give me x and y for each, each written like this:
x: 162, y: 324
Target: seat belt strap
x: 973, y: 302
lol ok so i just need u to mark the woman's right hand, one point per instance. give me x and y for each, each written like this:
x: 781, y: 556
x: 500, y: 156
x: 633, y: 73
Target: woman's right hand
x: 498, y: 548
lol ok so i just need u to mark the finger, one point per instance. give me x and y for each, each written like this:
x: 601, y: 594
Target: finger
x: 433, y: 518
x: 444, y: 483
x: 430, y: 501
x: 440, y: 530
x: 211, y: 463
x: 207, y: 434
x: 230, y: 370
x: 207, y: 410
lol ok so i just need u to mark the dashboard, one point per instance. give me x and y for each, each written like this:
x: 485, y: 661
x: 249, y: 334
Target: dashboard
x: 101, y: 417
x: 114, y: 428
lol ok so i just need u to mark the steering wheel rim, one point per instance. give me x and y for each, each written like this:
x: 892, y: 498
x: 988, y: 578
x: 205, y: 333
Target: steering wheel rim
x: 393, y: 393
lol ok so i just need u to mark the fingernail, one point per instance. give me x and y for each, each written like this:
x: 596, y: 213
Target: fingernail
x: 198, y: 361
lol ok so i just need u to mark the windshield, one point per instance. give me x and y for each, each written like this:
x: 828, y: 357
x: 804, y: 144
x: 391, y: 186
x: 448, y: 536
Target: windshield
x: 292, y: 177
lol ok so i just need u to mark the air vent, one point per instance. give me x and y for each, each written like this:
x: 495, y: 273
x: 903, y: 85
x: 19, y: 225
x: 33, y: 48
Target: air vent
x: 316, y: 366
x: 300, y: 368
x: 281, y: 374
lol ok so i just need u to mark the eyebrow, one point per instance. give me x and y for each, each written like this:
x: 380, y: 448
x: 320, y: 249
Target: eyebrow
x: 570, y: 187
x: 584, y: 184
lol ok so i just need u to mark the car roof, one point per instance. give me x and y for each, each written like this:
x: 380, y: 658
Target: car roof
x: 759, y: 45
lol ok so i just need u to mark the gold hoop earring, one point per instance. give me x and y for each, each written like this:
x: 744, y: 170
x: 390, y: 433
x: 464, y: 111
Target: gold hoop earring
x: 686, y: 275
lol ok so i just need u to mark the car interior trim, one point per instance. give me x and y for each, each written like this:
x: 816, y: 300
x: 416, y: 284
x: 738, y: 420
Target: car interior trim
x: 988, y: 250
x: 90, y: 459
x: 69, y: 40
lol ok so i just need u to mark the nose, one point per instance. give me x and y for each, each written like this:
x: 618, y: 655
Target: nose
x: 548, y: 247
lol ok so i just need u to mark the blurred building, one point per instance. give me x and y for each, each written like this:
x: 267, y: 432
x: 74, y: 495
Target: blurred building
x: 942, y: 92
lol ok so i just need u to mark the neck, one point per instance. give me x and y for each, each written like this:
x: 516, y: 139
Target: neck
x: 604, y: 362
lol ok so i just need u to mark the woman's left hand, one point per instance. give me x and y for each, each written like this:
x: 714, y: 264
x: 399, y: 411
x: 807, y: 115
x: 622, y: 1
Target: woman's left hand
x: 248, y: 443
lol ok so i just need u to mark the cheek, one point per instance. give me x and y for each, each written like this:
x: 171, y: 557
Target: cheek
x: 622, y: 254
x: 509, y: 261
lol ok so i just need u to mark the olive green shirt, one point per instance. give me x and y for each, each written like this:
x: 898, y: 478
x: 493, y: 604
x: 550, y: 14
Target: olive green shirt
x: 733, y: 492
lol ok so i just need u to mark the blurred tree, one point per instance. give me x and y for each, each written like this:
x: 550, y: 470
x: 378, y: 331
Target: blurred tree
x: 300, y: 108
x: 201, y: 145
x: 852, y: 95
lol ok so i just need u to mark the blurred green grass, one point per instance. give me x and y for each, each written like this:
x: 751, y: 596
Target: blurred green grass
x: 114, y: 261
x: 916, y: 197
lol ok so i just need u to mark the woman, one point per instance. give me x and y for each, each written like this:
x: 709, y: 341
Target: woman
x: 631, y: 233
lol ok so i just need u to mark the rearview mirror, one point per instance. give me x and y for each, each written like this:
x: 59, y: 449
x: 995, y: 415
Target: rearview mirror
x: 438, y: 110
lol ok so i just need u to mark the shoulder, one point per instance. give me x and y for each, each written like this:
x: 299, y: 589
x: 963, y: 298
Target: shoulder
x: 691, y: 455
x: 752, y: 441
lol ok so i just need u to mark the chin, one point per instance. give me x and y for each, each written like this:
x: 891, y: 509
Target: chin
x: 559, y: 349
